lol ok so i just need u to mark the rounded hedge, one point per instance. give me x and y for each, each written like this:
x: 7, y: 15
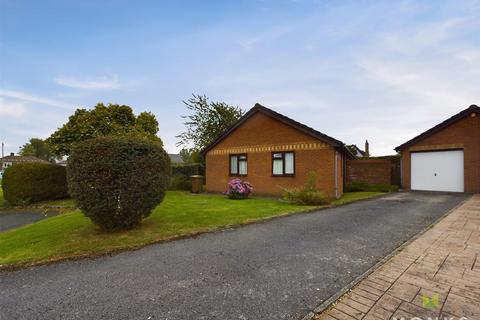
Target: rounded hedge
x: 25, y: 183
x: 117, y: 181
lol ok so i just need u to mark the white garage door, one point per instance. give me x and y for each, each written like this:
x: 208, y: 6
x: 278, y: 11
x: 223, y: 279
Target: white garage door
x: 437, y: 171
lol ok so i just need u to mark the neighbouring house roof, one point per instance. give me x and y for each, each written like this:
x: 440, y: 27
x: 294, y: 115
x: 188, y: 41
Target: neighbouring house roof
x: 284, y: 119
x: 356, y: 151
x: 462, y: 114
x: 175, y: 158
x: 21, y: 159
x: 13, y: 159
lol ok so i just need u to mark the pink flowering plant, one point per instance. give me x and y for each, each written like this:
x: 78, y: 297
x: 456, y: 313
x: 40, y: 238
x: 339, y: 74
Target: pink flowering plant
x: 238, y: 189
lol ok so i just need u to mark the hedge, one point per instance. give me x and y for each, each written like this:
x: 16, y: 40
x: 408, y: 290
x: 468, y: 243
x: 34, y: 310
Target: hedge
x: 181, y: 174
x: 117, y: 181
x: 26, y: 183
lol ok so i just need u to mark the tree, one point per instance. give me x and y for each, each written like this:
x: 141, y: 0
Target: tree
x: 38, y: 148
x: 190, y: 156
x: 208, y: 121
x: 102, y: 120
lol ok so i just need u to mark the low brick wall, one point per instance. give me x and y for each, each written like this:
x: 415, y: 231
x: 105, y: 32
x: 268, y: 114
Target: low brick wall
x: 371, y: 171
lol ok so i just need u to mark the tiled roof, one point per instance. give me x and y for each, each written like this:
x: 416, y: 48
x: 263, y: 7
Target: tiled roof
x: 472, y: 109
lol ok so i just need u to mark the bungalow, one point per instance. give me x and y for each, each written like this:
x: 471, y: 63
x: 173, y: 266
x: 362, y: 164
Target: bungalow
x: 274, y: 152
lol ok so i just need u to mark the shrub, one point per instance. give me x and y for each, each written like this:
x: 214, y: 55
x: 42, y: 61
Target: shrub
x: 181, y: 174
x: 307, y: 195
x: 238, y: 189
x: 117, y: 181
x: 362, y: 186
x: 188, y: 169
x: 180, y: 182
x: 32, y: 182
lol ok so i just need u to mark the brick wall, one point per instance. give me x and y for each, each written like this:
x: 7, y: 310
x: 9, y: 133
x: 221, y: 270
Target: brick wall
x: 372, y: 171
x: 258, y: 137
x: 463, y: 134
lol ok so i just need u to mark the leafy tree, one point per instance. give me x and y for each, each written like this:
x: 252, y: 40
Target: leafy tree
x: 208, y: 121
x: 38, y: 148
x: 190, y: 156
x: 103, y: 120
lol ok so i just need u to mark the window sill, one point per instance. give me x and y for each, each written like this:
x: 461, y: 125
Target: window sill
x: 283, y: 175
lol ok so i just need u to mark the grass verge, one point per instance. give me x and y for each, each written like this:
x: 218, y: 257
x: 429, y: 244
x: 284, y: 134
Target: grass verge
x: 181, y: 214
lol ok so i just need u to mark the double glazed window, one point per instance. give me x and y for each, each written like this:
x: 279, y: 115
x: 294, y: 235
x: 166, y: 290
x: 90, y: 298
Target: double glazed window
x: 238, y: 165
x: 283, y: 163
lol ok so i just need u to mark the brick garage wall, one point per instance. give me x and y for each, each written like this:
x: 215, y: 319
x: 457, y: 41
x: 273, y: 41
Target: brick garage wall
x: 259, y: 137
x: 372, y: 171
x: 463, y: 134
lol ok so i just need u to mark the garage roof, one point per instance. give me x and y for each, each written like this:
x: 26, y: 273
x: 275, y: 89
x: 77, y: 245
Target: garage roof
x: 440, y: 126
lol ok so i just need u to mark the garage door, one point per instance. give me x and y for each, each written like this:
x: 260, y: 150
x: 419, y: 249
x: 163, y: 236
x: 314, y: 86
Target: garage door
x: 437, y: 171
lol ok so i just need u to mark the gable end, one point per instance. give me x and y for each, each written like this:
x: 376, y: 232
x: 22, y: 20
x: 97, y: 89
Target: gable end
x: 286, y: 120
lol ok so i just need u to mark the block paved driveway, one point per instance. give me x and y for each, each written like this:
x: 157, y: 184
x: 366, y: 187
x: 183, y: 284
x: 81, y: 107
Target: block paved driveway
x: 443, y: 262
x: 280, y: 269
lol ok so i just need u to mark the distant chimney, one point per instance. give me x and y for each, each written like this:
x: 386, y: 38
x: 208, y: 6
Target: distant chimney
x: 367, y: 149
x: 12, y: 154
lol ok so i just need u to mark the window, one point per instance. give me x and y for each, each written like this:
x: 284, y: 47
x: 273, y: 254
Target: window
x: 283, y: 163
x: 238, y: 165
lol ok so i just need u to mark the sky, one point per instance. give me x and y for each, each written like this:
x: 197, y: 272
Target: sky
x: 378, y: 70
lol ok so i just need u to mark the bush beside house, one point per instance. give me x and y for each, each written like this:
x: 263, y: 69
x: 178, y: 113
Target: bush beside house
x: 26, y: 183
x: 181, y: 174
x: 238, y: 189
x: 308, y: 194
x: 117, y: 181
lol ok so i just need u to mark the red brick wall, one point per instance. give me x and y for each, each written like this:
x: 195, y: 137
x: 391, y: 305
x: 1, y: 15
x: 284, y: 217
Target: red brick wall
x: 259, y: 137
x: 464, y: 134
x: 372, y: 171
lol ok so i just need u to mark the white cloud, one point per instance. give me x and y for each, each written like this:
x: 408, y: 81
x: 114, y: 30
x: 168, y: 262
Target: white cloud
x: 26, y: 97
x: 11, y: 109
x: 95, y: 84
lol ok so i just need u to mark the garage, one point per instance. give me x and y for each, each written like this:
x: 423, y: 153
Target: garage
x: 446, y: 157
x: 437, y: 171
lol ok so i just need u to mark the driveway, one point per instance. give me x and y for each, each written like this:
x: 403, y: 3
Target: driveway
x: 275, y: 270
x: 442, y: 262
x: 14, y: 219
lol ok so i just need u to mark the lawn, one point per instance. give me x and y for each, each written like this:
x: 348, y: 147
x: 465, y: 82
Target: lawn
x: 71, y: 235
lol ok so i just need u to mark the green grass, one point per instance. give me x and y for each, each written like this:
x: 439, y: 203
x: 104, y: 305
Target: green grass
x: 72, y: 235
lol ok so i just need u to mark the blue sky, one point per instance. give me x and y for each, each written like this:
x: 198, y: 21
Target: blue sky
x: 378, y: 70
